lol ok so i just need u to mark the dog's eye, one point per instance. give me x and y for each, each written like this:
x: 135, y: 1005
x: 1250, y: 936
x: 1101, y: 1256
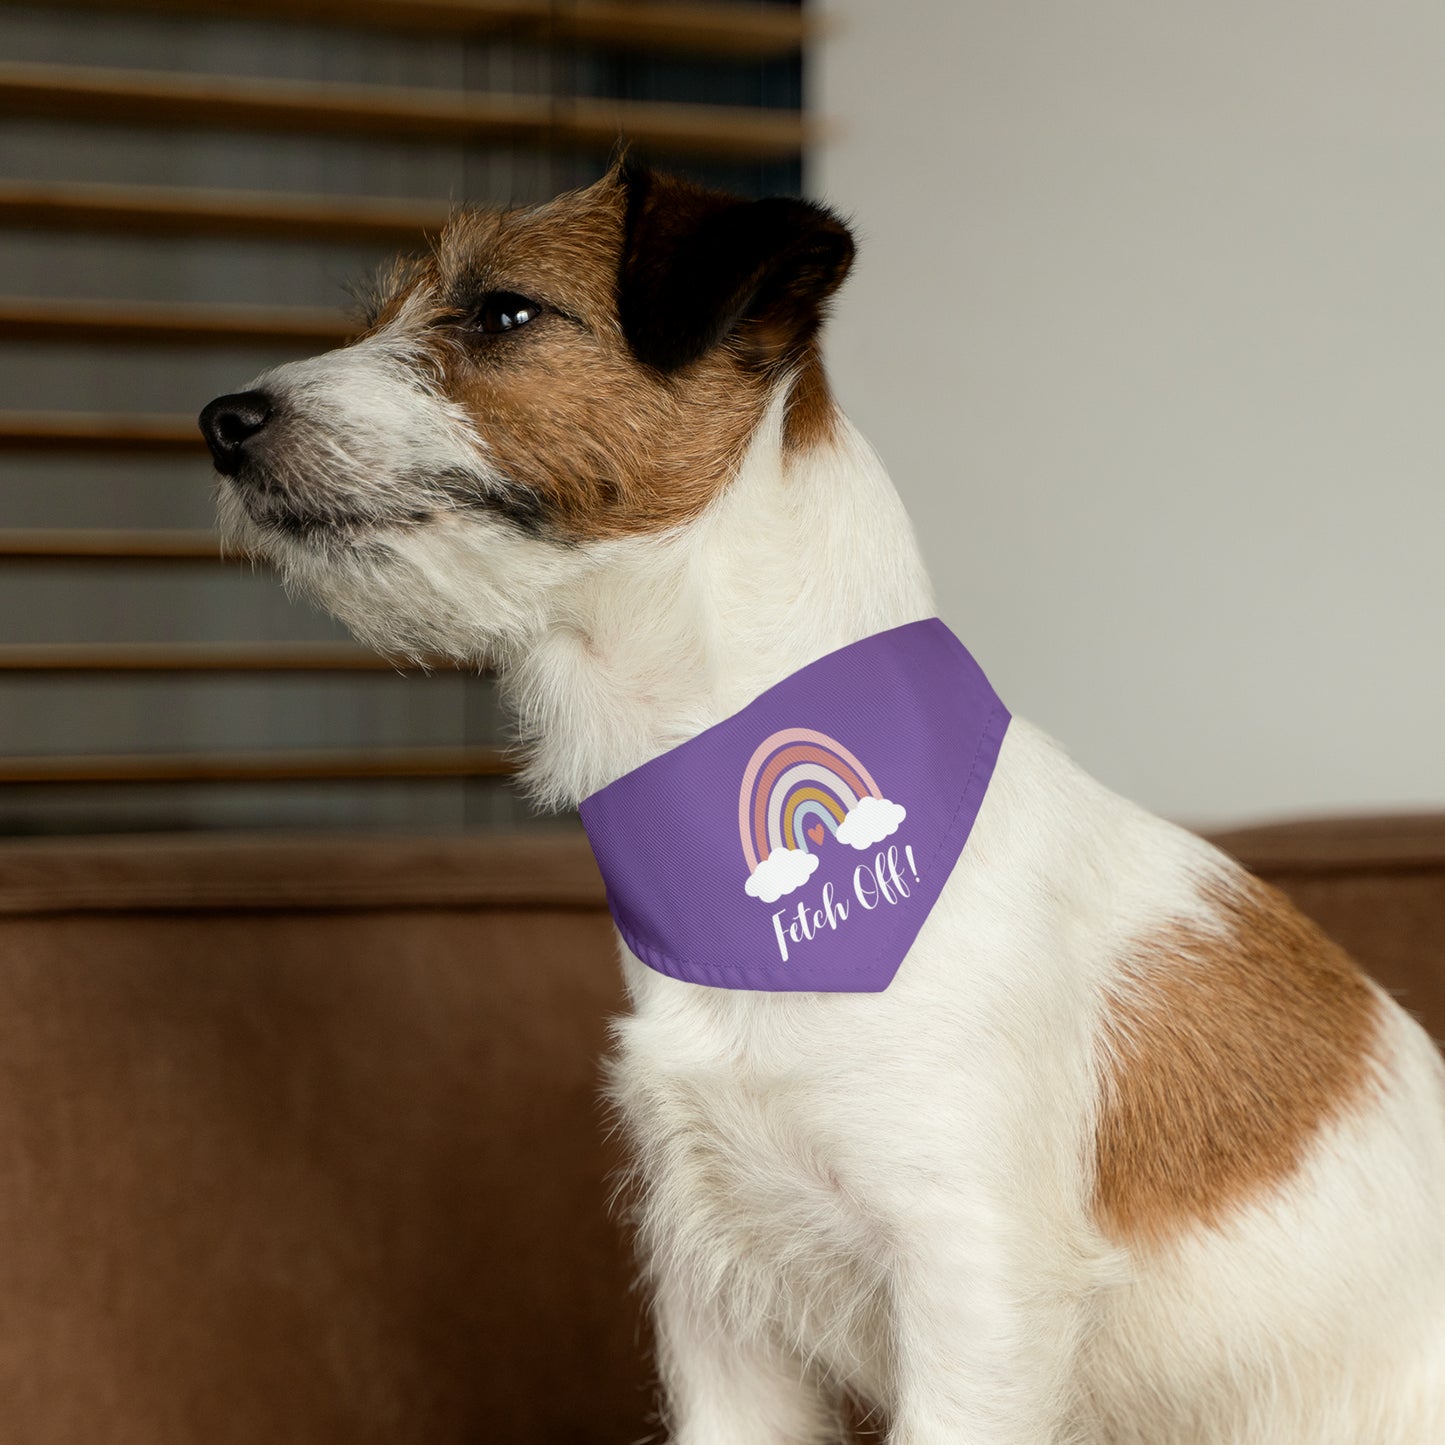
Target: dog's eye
x: 504, y: 311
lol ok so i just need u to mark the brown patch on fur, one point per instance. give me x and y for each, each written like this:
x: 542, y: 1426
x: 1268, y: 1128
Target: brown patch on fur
x: 812, y: 417
x: 382, y: 300
x: 604, y: 446
x: 608, y: 446
x: 598, y: 443
x: 1227, y: 1052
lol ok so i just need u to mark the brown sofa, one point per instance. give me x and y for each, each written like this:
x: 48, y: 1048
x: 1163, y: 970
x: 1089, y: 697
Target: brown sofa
x: 301, y: 1138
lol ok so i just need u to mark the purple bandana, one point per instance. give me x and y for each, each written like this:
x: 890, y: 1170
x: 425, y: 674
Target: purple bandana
x: 800, y: 844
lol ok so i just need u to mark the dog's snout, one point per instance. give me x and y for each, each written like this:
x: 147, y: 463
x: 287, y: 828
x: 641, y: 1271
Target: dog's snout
x: 229, y: 422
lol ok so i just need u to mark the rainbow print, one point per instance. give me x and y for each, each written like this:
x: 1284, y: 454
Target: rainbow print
x: 800, y: 788
x: 794, y: 775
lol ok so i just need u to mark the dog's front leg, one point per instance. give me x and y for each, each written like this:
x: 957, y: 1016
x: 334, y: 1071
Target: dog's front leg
x: 984, y: 1350
x: 722, y: 1387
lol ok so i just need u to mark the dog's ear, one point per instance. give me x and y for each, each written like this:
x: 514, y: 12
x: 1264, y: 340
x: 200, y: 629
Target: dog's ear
x: 699, y: 266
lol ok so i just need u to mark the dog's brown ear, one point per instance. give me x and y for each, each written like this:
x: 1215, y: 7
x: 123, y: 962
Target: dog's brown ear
x: 699, y: 266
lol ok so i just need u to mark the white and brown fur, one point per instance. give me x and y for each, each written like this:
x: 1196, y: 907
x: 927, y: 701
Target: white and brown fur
x: 1128, y: 1152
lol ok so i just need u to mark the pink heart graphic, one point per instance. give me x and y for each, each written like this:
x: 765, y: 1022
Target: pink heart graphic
x: 816, y: 832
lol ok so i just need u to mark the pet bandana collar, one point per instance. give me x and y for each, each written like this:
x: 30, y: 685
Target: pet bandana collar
x: 801, y: 843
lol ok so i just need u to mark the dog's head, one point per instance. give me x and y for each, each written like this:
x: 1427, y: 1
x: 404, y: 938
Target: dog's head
x: 546, y: 384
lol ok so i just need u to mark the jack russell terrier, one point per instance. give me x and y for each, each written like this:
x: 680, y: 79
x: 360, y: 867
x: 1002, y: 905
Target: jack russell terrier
x: 957, y: 1086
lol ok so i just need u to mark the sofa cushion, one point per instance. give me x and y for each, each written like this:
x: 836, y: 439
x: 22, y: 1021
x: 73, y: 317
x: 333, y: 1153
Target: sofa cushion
x: 303, y: 1138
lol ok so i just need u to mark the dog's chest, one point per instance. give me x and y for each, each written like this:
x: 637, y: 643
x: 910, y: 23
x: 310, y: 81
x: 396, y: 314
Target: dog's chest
x: 745, y: 1184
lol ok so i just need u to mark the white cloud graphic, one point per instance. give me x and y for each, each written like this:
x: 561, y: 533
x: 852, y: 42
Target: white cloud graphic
x: 783, y: 870
x: 870, y: 821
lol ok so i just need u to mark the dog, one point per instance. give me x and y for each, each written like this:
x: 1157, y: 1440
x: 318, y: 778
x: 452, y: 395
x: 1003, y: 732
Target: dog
x: 1127, y: 1153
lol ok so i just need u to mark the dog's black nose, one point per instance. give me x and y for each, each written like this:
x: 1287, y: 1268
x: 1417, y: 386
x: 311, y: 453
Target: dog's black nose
x: 229, y: 422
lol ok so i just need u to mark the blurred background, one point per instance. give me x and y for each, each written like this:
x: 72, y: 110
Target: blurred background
x: 187, y: 191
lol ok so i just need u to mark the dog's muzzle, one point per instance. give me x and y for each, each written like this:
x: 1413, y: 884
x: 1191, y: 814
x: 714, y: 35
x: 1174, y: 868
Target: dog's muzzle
x: 230, y: 422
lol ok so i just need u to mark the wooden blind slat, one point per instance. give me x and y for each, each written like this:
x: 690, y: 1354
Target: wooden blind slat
x: 78, y: 431
x: 167, y: 657
x: 216, y: 102
x: 76, y: 544
x: 169, y: 323
x: 176, y: 210
x: 98, y: 432
x: 755, y: 32
x: 708, y: 29
x: 259, y: 767
x: 112, y: 97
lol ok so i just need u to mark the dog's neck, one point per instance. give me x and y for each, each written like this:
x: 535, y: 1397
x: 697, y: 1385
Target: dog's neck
x: 804, y: 553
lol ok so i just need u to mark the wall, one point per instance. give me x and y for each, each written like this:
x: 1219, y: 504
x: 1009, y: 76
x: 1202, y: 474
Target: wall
x: 1149, y: 323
